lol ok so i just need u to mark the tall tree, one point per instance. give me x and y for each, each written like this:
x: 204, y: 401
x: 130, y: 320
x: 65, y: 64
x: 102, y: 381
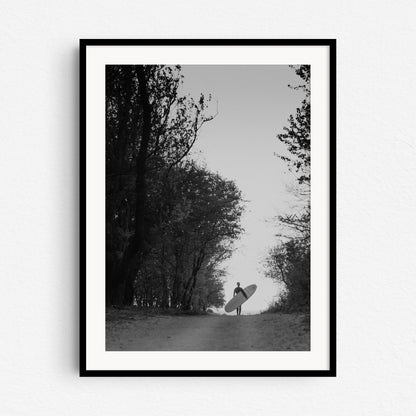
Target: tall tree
x: 148, y: 127
x: 134, y: 249
x: 288, y: 262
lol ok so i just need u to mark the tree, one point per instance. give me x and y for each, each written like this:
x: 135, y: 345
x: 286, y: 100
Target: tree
x: 196, y: 218
x: 148, y: 128
x: 288, y: 262
x: 296, y: 136
x: 169, y: 222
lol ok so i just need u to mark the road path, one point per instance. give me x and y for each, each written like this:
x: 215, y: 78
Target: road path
x: 267, y: 332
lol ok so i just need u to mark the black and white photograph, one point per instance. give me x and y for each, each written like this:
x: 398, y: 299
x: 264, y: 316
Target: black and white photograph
x: 207, y: 206
x: 208, y: 181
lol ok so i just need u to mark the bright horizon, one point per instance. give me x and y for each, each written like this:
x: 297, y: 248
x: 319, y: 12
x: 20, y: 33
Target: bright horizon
x: 254, y: 103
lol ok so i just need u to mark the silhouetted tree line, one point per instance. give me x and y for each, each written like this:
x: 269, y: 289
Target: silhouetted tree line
x: 169, y: 222
x: 289, y: 261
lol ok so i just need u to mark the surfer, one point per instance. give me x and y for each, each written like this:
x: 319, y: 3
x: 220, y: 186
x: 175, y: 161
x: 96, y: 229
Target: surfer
x: 237, y: 290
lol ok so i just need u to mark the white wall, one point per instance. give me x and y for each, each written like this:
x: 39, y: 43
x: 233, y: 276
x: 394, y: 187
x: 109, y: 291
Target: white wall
x: 376, y: 199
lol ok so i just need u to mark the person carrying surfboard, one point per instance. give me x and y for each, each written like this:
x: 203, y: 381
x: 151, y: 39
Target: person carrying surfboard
x: 237, y: 290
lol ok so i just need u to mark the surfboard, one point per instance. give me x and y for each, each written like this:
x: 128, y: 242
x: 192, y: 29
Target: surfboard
x: 238, y: 300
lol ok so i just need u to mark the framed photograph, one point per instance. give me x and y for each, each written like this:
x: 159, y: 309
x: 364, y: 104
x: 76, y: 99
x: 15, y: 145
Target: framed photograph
x: 207, y: 207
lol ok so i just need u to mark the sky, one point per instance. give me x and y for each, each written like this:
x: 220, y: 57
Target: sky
x: 240, y: 143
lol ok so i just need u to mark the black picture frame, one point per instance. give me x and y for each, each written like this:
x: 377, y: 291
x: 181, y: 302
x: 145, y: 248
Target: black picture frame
x: 331, y: 372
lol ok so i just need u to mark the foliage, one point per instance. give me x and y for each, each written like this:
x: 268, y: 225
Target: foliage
x: 296, y: 136
x: 195, y: 219
x: 288, y: 262
x: 169, y: 222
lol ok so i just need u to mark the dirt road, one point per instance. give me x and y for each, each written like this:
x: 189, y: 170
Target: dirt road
x: 267, y: 332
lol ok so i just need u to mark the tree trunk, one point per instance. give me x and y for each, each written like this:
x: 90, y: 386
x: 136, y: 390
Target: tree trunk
x: 190, y: 285
x: 177, y: 280
x: 165, y: 284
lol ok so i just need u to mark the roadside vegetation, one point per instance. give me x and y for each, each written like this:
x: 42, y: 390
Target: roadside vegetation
x: 170, y: 222
x: 288, y: 262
